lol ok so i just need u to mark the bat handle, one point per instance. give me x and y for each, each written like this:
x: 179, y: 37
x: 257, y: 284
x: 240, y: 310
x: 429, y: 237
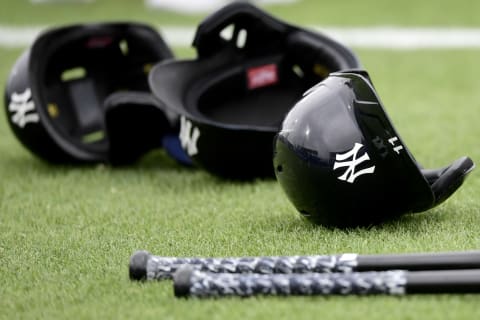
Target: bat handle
x: 191, y: 282
x: 138, y: 265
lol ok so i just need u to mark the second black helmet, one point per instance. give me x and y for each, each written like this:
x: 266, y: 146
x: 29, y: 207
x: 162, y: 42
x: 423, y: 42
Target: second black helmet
x: 251, y: 69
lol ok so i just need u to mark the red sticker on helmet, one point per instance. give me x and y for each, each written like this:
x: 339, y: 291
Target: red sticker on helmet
x: 99, y: 42
x: 262, y: 76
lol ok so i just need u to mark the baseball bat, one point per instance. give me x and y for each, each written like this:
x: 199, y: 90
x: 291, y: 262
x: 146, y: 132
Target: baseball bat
x: 144, y: 266
x: 189, y: 282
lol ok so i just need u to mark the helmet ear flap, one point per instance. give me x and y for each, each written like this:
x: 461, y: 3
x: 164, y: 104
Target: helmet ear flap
x: 445, y: 181
x: 136, y: 123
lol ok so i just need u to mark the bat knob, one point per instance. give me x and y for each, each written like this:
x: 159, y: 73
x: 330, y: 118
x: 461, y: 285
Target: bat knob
x: 182, y: 281
x: 138, y: 265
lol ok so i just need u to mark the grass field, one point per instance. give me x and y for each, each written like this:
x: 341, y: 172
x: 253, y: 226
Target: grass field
x: 66, y: 233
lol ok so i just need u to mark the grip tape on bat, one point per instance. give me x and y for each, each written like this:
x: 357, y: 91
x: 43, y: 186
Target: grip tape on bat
x: 144, y: 266
x: 189, y: 282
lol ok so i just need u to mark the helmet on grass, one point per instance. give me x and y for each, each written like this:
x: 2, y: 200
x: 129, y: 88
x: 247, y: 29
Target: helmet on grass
x: 251, y: 69
x: 80, y: 94
x: 342, y: 163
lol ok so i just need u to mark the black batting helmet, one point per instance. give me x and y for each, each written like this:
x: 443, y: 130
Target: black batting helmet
x: 251, y: 69
x: 80, y: 94
x: 342, y: 163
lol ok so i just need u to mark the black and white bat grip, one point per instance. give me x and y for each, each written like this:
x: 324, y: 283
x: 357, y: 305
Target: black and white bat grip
x: 144, y: 266
x: 189, y: 282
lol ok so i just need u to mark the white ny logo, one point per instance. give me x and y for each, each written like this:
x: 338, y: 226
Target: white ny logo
x: 20, y: 105
x: 188, y: 136
x: 342, y: 161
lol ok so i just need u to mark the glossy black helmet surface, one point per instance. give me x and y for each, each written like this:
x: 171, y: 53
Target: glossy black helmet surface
x: 251, y: 69
x: 341, y: 162
x: 64, y: 90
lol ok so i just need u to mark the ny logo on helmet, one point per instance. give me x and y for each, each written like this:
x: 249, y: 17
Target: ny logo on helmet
x: 188, y: 136
x: 23, y: 108
x: 350, y: 161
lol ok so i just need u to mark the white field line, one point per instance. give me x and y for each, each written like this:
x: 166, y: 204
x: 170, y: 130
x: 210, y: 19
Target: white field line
x: 198, y: 6
x: 393, y: 38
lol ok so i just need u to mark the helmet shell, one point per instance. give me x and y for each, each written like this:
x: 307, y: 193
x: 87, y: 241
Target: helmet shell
x: 341, y: 162
x: 23, y: 115
x: 234, y: 96
x: 55, y: 93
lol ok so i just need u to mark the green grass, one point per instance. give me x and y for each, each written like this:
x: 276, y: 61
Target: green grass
x: 66, y: 233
